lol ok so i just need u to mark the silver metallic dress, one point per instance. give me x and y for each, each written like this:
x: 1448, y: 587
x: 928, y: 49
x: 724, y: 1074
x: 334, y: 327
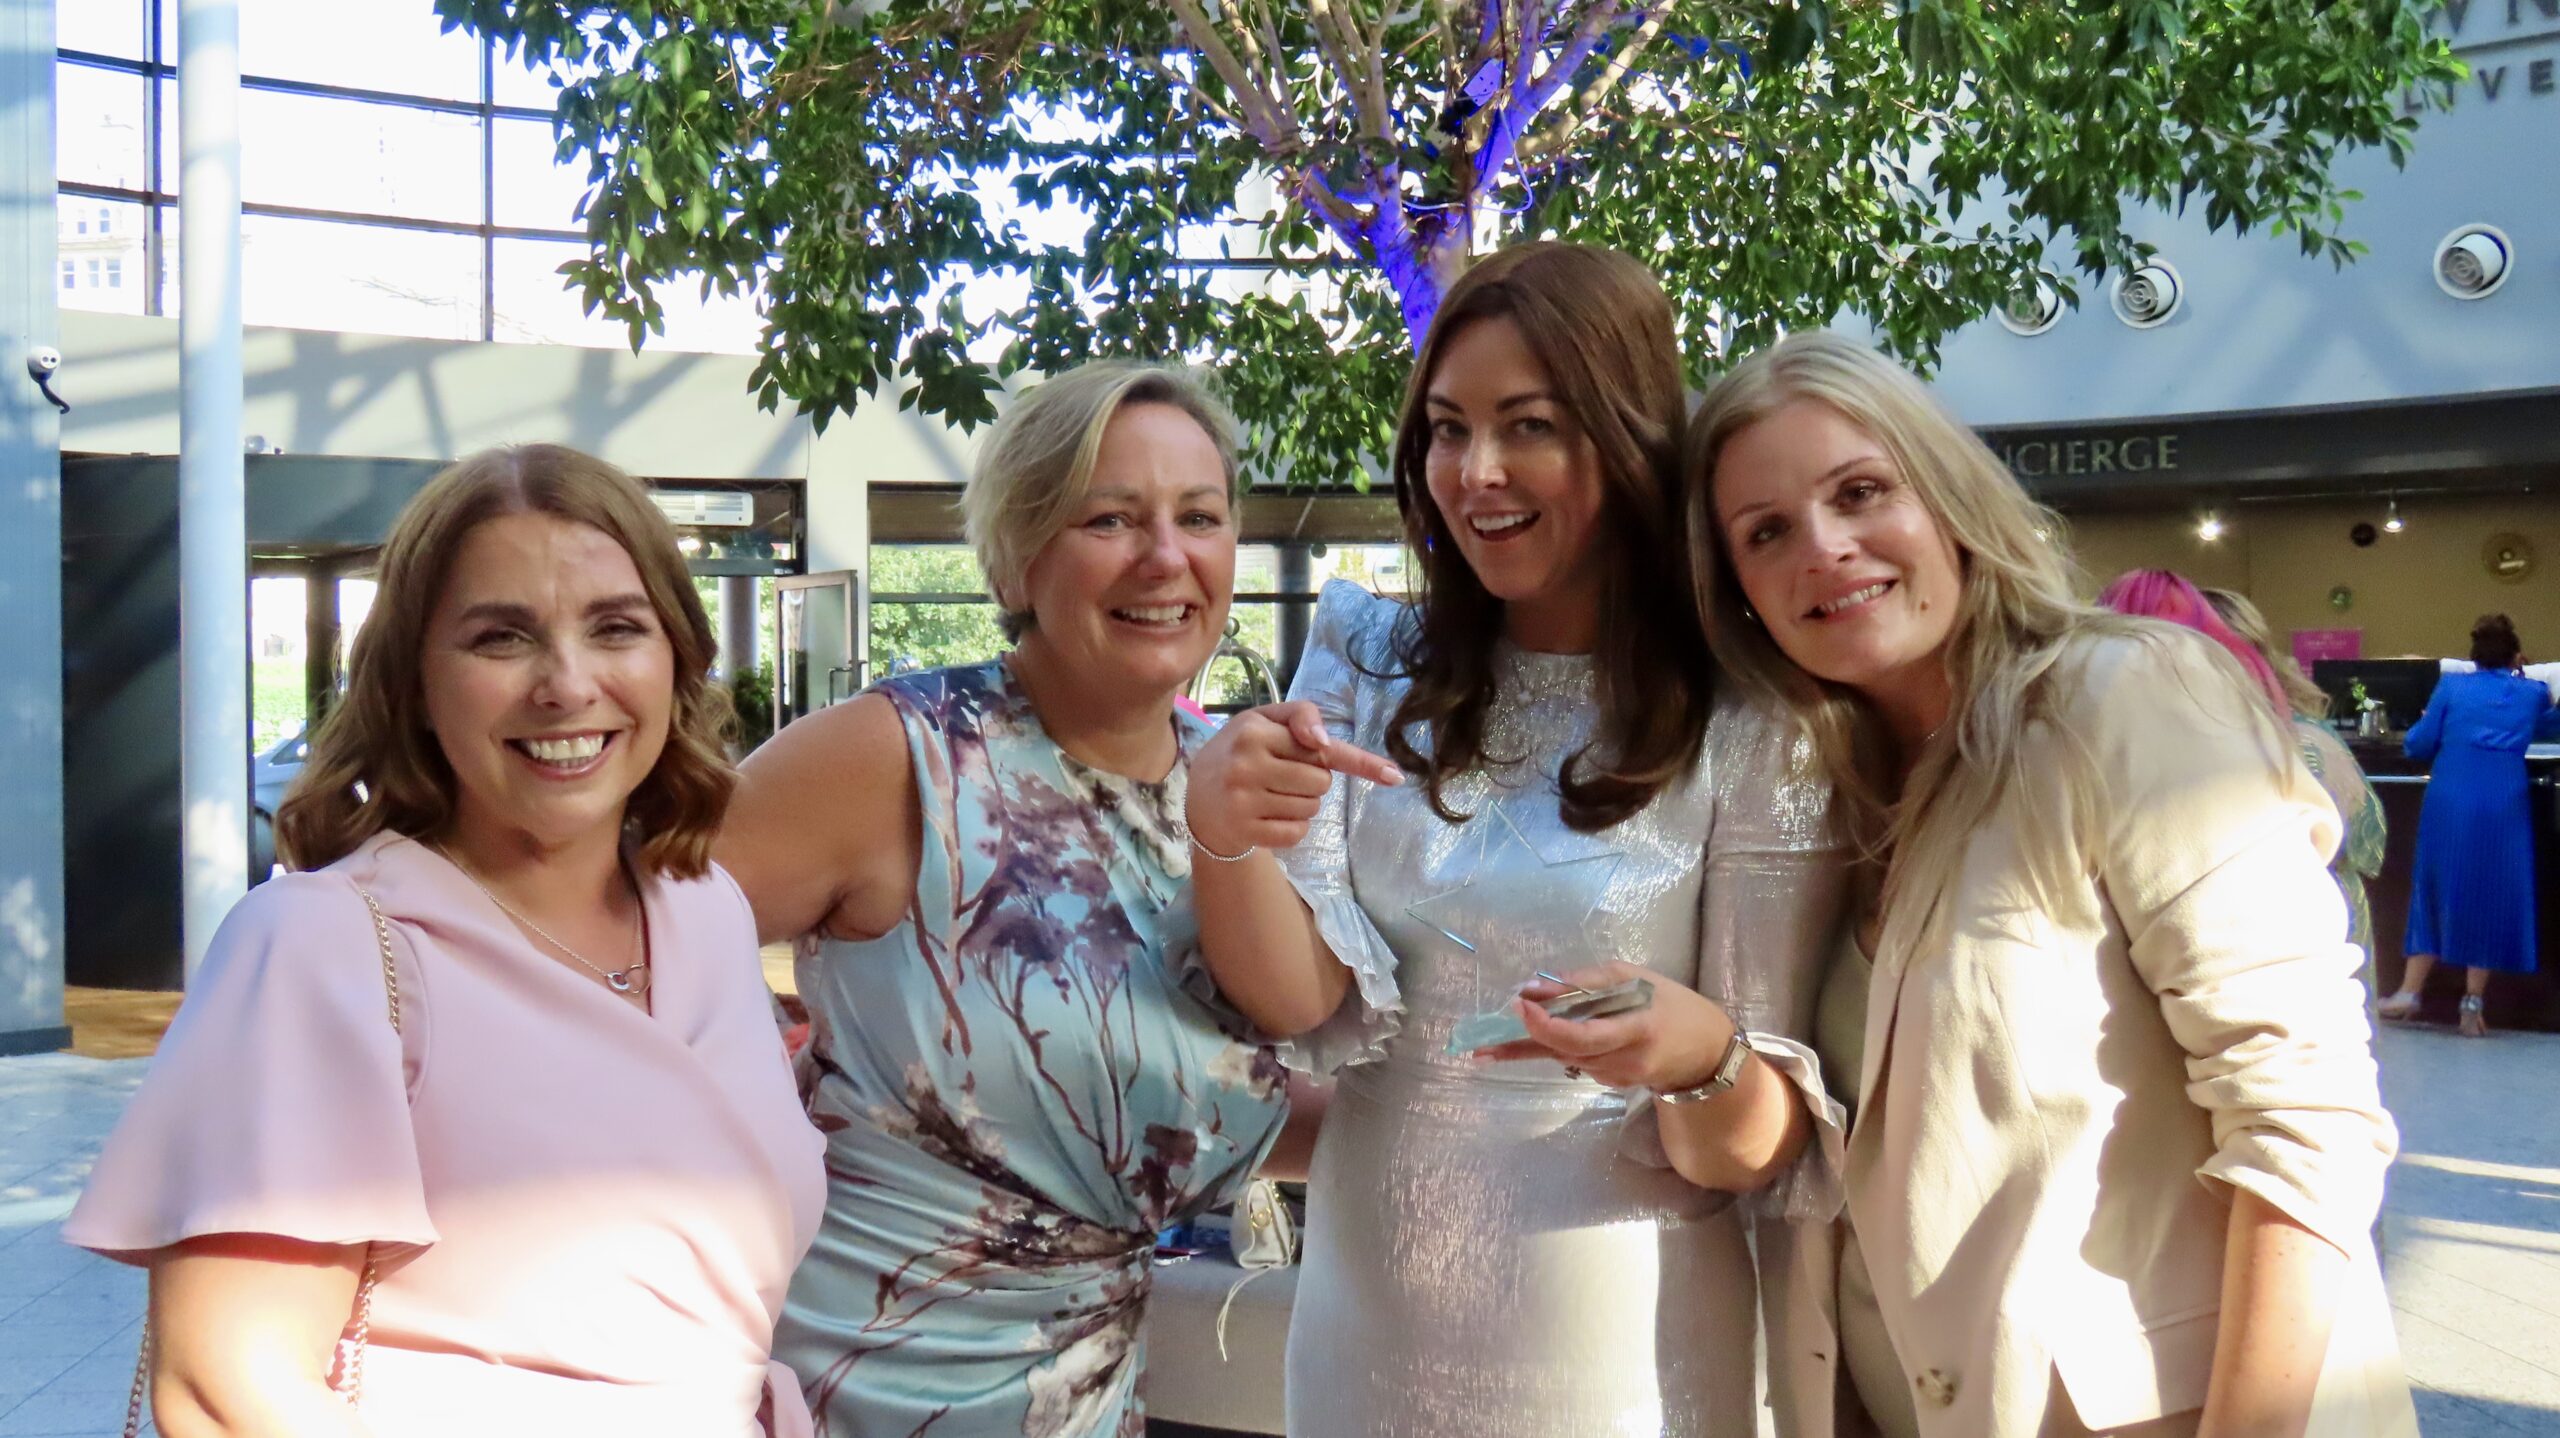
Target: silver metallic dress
x: 1501, y: 1249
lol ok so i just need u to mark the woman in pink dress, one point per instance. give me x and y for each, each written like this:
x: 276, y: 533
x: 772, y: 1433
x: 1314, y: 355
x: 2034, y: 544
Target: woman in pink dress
x: 560, y: 1166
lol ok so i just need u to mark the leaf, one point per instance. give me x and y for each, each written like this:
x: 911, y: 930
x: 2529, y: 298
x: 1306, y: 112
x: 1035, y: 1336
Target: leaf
x: 929, y: 196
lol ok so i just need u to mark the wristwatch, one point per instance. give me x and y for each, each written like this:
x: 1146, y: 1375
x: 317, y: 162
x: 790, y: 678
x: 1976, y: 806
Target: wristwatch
x: 1728, y: 1073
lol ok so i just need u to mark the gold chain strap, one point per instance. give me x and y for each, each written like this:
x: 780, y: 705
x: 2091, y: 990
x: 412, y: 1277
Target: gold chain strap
x: 348, y: 1380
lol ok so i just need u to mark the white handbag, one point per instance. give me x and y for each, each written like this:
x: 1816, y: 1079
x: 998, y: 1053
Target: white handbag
x: 1262, y: 1236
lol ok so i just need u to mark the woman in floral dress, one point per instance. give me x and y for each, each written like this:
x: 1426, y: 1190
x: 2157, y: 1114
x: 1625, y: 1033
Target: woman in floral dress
x: 977, y: 863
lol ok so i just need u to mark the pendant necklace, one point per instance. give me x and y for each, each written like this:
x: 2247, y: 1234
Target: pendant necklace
x: 631, y: 978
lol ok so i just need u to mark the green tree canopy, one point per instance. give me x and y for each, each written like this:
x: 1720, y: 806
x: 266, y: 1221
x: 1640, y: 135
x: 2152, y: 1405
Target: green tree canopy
x: 889, y: 171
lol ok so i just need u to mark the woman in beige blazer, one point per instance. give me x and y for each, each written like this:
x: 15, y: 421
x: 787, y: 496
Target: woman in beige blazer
x: 2116, y: 1139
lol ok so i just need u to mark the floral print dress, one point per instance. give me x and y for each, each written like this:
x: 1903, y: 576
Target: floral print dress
x: 1018, y: 1091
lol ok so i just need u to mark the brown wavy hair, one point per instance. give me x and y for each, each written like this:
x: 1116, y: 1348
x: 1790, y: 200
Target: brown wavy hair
x: 1601, y: 325
x: 375, y: 764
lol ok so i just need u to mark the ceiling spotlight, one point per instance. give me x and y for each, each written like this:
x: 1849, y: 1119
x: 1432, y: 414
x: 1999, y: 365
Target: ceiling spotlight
x: 2209, y: 528
x: 2393, y: 525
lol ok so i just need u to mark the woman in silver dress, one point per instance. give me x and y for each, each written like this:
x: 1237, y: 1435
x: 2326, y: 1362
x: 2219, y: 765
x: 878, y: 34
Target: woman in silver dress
x: 1549, y: 1246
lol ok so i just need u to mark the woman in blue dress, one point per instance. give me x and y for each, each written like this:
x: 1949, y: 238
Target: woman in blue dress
x: 978, y: 864
x: 2471, y: 903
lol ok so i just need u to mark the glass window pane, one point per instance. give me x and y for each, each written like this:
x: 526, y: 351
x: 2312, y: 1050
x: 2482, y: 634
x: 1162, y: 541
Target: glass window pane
x: 908, y: 637
x: 100, y: 242
x: 97, y: 126
x: 168, y: 260
x: 375, y: 159
x: 535, y: 191
x: 1235, y: 680
x: 1378, y: 568
x: 323, y: 275
x: 169, y: 137
x: 514, y: 80
x: 104, y: 27
x: 396, y: 45
x: 278, y: 697
x: 535, y: 306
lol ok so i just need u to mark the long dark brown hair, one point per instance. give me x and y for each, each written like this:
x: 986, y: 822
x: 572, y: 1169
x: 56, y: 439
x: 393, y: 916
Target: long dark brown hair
x: 375, y: 765
x: 1600, y: 324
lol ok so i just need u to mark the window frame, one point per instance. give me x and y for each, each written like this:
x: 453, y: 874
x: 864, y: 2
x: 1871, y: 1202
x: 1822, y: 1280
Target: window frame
x: 157, y: 196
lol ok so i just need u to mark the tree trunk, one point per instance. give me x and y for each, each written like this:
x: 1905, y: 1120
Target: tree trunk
x: 1425, y: 267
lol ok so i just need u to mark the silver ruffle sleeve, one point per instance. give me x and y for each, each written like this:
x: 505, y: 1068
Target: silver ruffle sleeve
x: 1352, y: 629
x: 1770, y: 911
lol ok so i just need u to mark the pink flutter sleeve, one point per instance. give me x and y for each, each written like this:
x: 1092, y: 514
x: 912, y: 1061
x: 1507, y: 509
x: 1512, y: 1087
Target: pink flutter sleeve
x: 279, y: 1102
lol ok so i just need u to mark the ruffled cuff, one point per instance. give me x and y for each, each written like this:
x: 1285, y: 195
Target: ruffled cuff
x: 1813, y: 1188
x: 1372, y: 1012
x: 1810, y: 1190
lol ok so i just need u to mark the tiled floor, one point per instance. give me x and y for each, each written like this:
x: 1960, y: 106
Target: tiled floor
x: 69, y: 1322
x: 2471, y: 1231
x: 2472, y: 1237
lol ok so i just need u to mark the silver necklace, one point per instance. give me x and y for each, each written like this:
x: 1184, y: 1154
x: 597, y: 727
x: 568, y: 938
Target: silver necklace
x: 632, y: 978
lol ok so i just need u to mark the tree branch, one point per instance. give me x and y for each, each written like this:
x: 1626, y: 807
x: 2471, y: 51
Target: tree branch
x: 1356, y: 65
x: 1559, y: 132
x: 1268, y: 118
x: 1596, y: 24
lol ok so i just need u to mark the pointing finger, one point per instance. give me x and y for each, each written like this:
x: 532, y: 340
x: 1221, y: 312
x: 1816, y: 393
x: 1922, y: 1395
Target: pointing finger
x: 1361, y: 764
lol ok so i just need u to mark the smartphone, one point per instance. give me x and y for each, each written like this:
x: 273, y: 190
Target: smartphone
x: 1503, y: 1025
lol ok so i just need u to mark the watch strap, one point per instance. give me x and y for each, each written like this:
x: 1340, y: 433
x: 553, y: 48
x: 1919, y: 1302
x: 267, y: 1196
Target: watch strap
x: 1728, y: 1072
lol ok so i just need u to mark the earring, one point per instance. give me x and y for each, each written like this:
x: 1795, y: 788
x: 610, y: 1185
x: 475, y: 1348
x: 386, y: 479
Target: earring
x: 1751, y: 614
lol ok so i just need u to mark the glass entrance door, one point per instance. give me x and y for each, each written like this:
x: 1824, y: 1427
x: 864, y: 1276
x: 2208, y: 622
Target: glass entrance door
x: 816, y: 617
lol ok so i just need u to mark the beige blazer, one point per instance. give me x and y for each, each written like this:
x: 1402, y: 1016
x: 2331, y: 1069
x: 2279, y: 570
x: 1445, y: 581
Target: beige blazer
x: 2061, y: 1090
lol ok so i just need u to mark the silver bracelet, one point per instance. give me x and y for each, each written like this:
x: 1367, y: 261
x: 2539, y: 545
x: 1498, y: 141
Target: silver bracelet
x: 1214, y: 854
x: 1185, y: 821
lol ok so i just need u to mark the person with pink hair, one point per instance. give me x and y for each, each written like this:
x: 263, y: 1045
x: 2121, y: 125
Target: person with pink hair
x: 2163, y: 594
x: 2230, y: 621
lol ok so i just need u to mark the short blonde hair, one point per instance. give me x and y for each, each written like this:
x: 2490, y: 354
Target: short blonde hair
x: 375, y: 764
x: 1038, y: 465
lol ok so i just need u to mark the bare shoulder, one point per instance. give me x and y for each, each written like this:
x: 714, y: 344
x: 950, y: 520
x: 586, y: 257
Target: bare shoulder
x: 825, y: 819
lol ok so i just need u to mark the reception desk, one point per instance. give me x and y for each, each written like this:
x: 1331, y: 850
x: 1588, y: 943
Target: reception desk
x: 2515, y: 1001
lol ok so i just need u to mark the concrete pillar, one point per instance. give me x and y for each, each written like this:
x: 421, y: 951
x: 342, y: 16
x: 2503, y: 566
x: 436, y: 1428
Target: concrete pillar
x: 1297, y: 574
x: 213, y: 538
x: 31, y: 934
x: 319, y: 643
x: 739, y: 631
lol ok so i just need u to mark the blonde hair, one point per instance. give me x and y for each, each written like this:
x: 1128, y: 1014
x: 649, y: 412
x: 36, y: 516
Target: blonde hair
x: 2308, y: 699
x: 1038, y: 464
x: 375, y: 764
x: 2017, y: 615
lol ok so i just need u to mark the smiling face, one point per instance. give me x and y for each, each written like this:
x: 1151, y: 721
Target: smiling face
x: 1854, y: 578
x: 1131, y: 595
x: 1517, y: 483
x: 547, y: 679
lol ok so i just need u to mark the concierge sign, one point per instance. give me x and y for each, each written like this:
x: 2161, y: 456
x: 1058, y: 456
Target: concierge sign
x: 2079, y: 457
